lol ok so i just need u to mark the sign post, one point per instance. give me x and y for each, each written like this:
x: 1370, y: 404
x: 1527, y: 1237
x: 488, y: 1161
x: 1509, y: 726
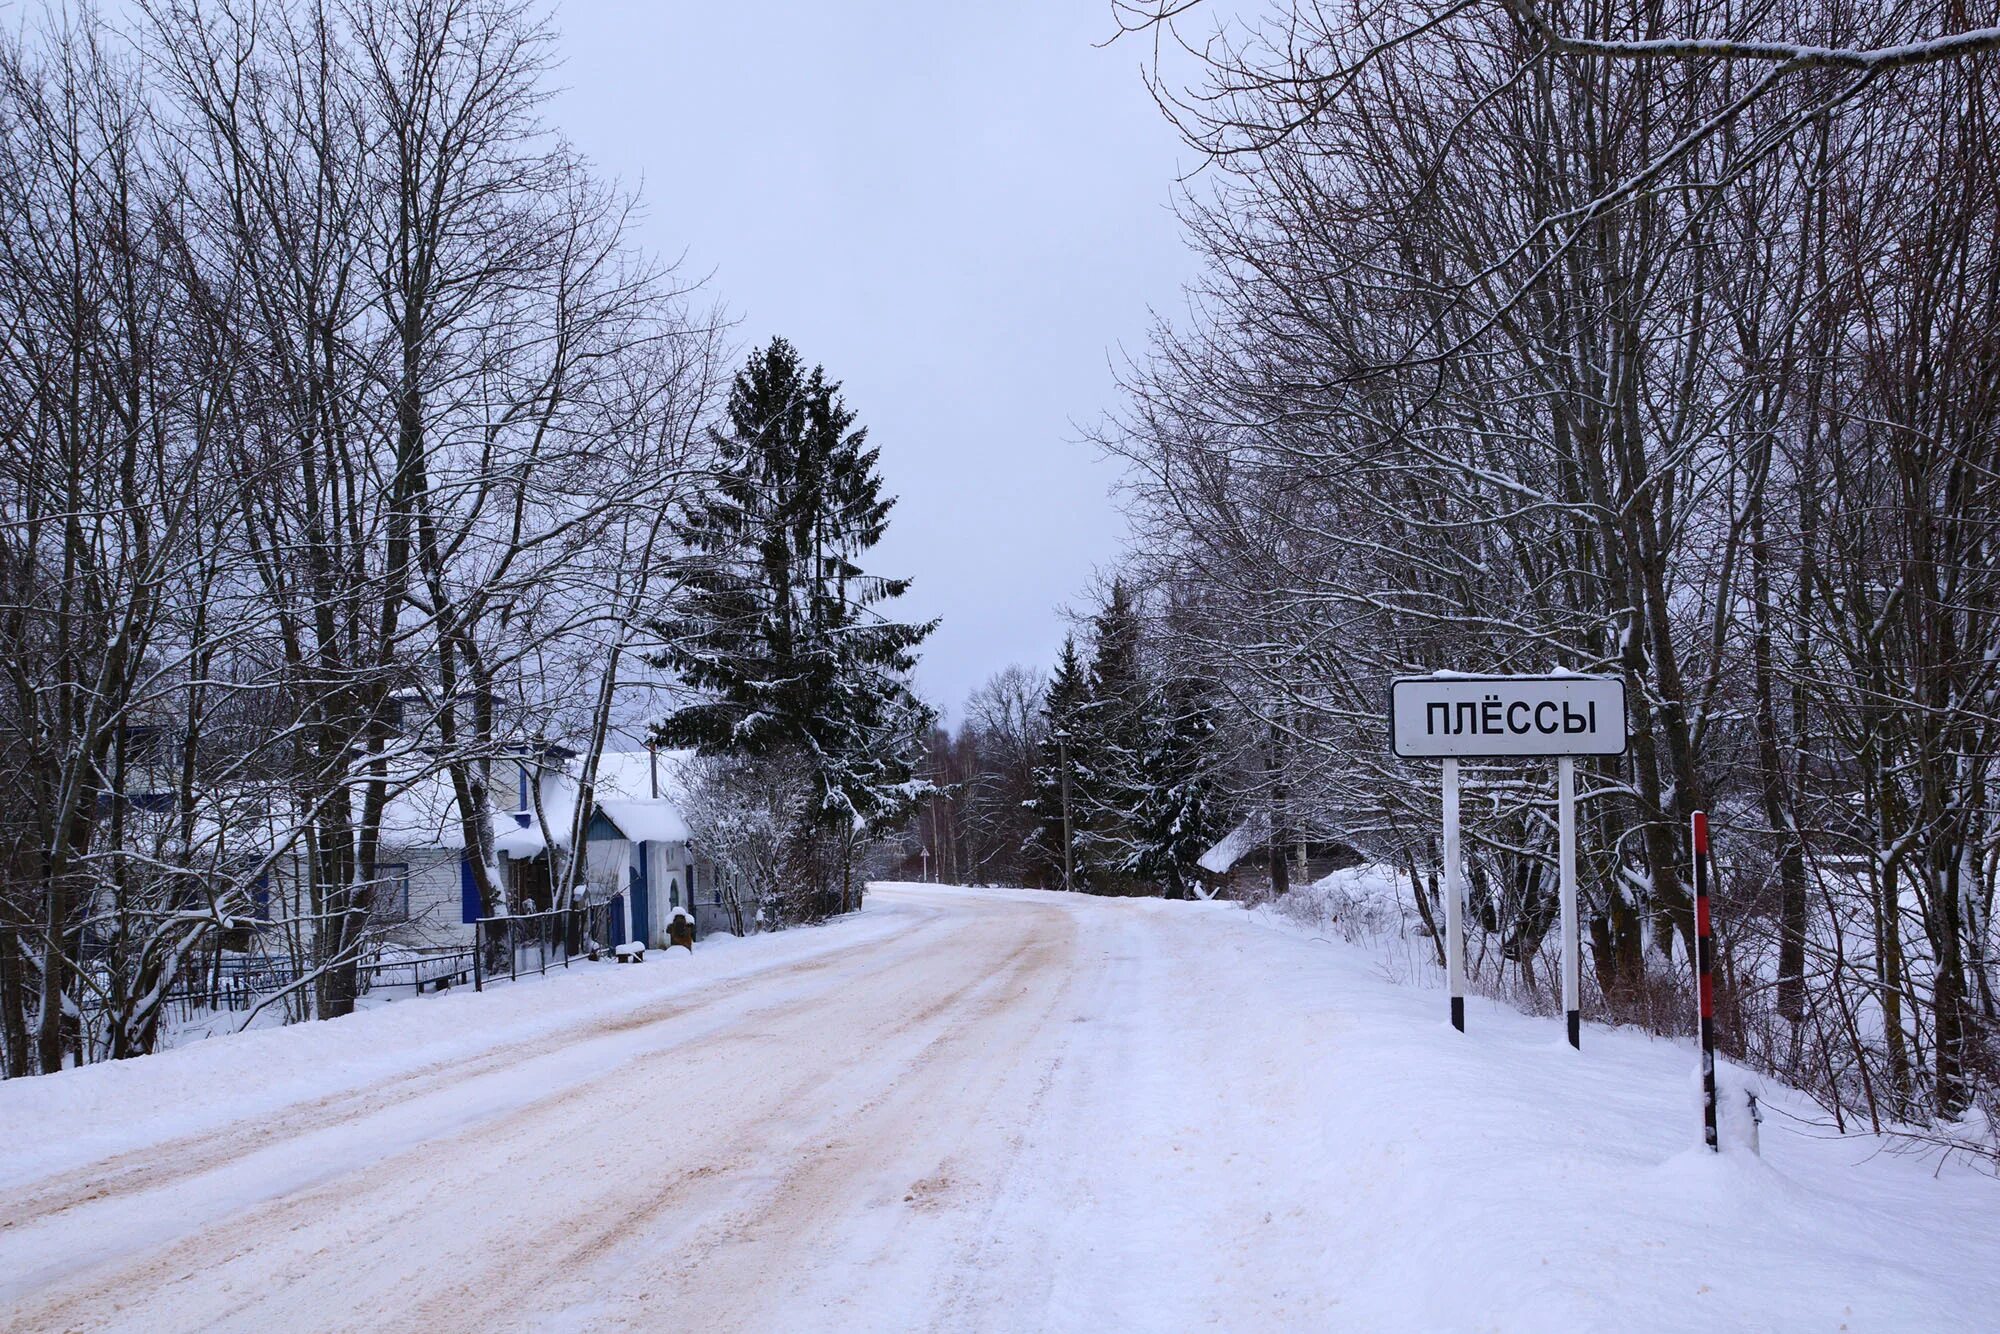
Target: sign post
x: 1449, y: 718
x: 1572, y: 953
x: 1454, y: 902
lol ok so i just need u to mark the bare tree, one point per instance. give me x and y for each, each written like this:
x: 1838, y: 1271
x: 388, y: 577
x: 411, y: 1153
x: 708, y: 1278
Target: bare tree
x: 1518, y: 352
x: 345, y: 424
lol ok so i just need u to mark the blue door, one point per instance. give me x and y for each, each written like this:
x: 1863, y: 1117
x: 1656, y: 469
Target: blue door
x: 642, y: 916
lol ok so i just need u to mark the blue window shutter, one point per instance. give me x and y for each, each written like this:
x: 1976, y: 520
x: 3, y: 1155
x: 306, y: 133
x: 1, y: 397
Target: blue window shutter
x: 468, y: 892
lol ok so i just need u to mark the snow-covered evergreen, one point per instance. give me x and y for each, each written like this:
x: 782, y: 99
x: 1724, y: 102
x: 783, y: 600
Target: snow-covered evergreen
x: 1052, y: 846
x: 779, y: 630
x: 1125, y: 789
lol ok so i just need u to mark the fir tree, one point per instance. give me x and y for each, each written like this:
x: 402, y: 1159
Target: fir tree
x: 1177, y: 818
x: 1052, y: 844
x: 777, y: 628
x: 1113, y: 743
x: 1136, y: 758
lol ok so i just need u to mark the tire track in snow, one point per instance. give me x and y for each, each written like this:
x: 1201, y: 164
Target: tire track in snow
x: 194, y: 1282
x: 771, y: 1191
x: 171, y: 1161
x: 903, y: 1146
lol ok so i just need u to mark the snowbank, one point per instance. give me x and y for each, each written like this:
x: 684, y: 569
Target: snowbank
x: 1354, y: 904
x: 58, y: 1121
x: 1328, y: 1140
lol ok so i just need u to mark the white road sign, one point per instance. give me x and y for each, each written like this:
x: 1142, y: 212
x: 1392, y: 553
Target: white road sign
x: 1490, y: 717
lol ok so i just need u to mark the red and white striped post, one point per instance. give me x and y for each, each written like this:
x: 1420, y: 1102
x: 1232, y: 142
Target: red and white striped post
x: 1704, y: 971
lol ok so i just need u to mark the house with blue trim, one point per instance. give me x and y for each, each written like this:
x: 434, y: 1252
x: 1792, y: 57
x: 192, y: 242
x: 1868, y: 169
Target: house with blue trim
x: 639, y: 854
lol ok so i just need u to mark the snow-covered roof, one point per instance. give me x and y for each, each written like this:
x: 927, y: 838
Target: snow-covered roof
x: 632, y: 774
x: 646, y: 821
x: 424, y: 814
x: 236, y: 821
x: 519, y: 841
x: 1237, y: 844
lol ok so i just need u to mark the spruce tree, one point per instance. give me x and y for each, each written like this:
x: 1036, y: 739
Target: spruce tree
x: 1052, y: 844
x: 1113, y: 743
x: 777, y: 628
x: 1177, y: 818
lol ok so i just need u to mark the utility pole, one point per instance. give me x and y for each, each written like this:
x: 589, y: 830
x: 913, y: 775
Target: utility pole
x: 1281, y: 879
x: 936, y: 841
x: 1069, y: 857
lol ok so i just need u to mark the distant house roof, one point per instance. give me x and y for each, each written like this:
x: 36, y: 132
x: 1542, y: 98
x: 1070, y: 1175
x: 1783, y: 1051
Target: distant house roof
x: 1246, y: 838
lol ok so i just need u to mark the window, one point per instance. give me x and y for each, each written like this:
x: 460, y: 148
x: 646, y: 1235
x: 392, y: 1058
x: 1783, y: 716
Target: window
x: 143, y: 743
x: 391, y: 884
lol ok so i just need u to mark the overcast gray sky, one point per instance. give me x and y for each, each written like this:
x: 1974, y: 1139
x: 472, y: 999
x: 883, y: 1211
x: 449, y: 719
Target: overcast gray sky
x: 961, y: 210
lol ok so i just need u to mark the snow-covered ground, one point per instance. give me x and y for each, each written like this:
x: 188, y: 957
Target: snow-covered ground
x: 976, y: 1109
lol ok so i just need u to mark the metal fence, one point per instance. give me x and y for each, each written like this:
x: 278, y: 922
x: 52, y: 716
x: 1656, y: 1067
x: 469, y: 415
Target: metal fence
x: 230, y: 982
x: 436, y: 969
x: 536, y: 942
x: 239, y: 982
x: 533, y: 943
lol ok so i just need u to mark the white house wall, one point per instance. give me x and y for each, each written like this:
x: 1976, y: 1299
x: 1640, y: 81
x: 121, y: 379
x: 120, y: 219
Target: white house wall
x: 605, y: 861
x: 436, y: 899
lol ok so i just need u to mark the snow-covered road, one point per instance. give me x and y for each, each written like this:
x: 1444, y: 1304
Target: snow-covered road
x: 961, y: 1109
